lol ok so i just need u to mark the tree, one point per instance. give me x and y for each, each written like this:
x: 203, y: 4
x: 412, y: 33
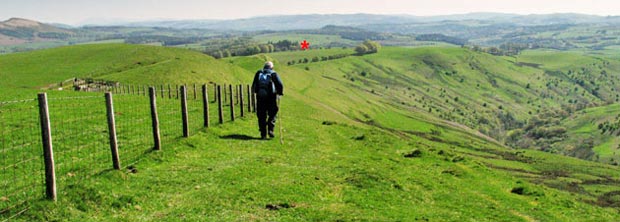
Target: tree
x: 271, y: 47
x: 264, y: 48
x: 219, y: 54
x: 373, y: 46
x: 368, y: 47
x: 361, y: 49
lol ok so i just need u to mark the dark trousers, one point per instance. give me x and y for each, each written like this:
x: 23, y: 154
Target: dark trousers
x: 266, y: 111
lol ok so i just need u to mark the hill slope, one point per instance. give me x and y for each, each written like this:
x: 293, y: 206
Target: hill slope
x: 353, y: 150
x: 119, y: 62
x: 501, y: 97
x: 17, y: 31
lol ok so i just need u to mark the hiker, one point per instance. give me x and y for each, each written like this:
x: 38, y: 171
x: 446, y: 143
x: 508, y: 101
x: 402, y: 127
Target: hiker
x: 267, y: 86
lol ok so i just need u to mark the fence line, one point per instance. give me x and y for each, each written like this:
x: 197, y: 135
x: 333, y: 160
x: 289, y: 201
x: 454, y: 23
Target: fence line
x: 89, y: 134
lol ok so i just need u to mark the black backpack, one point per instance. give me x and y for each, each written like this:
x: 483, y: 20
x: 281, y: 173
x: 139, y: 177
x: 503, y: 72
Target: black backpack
x: 265, y: 87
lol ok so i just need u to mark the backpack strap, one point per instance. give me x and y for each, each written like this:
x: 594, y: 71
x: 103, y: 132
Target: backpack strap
x: 268, y: 73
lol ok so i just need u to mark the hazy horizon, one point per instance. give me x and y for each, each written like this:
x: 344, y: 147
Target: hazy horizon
x: 74, y: 12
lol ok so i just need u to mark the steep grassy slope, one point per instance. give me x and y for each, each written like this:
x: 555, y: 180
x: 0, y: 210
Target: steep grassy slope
x: 497, y: 96
x: 595, y: 129
x: 354, y: 149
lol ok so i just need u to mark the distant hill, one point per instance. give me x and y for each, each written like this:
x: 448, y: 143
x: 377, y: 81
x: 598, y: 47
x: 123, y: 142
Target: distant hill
x: 282, y: 22
x: 18, y: 30
x: 315, y: 21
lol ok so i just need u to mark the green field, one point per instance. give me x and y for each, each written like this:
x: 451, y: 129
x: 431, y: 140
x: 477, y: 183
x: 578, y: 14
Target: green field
x: 359, y: 140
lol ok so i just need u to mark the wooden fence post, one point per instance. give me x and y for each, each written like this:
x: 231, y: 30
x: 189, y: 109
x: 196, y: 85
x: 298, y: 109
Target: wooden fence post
x: 232, y: 103
x: 205, y: 105
x: 241, y: 107
x: 48, y: 153
x: 169, y: 92
x: 195, y: 95
x: 112, y: 131
x: 220, y: 111
x: 176, y: 90
x: 162, y: 91
x: 155, y: 119
x: 214, y: 92
x: 249, y: 99
x: 253, y: 102
x: 184, y: 111
x: 236, y: 95
x: 225, y: 93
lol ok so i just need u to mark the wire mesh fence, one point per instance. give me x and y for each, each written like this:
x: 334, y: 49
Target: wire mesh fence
x: 79, y: 132
x: 195, y: 109
x: 82, y: 139
x: 20, y: 155
x: 133, y: 127
x: 169, y: 110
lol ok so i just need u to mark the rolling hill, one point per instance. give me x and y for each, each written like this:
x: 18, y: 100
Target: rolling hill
x: 396, y: 135
x: 314, y: 21
x: 17, y: 31
x: 499, y: 97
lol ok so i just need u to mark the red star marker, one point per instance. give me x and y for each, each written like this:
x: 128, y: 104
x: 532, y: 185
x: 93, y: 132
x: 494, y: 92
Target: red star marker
x: 305, y: 45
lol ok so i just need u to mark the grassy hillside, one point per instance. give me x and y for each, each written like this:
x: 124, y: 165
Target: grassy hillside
x: 497, y: 96
x: 357, y: 146
x: 596, y: 129
x: 31, y: 71
x: 339, y: 172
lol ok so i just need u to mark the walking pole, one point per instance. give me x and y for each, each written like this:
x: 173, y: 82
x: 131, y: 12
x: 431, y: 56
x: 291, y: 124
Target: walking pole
x: 280, y: 125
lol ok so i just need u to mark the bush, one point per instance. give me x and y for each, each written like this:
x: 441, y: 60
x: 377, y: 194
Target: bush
x: 368, y: 47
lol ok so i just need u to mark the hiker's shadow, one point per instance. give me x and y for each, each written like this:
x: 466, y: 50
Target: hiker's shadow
x: 239, y: 137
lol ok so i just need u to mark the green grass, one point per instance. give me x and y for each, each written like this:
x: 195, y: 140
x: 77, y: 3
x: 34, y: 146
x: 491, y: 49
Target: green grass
x: 584, y: 125
x: 322, y: 172
x: 118, y: 62
x: 345, y: 140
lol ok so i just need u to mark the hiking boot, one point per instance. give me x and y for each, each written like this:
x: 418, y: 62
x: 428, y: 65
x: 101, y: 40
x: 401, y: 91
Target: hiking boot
x: 271, y: 134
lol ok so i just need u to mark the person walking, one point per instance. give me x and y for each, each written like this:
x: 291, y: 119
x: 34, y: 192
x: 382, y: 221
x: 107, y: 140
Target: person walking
x: 268, y: 87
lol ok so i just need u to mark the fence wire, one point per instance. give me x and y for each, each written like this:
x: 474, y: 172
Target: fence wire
x: 170, y: 118
x: 79, y: 136
x: 133, y: 127
x: 195, y: 109
x: 21, y: 172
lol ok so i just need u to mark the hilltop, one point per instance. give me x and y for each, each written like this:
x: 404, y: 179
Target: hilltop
x: 18, y: 31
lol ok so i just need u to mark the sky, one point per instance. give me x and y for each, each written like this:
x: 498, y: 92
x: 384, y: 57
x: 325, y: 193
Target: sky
x: 79, y: 12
